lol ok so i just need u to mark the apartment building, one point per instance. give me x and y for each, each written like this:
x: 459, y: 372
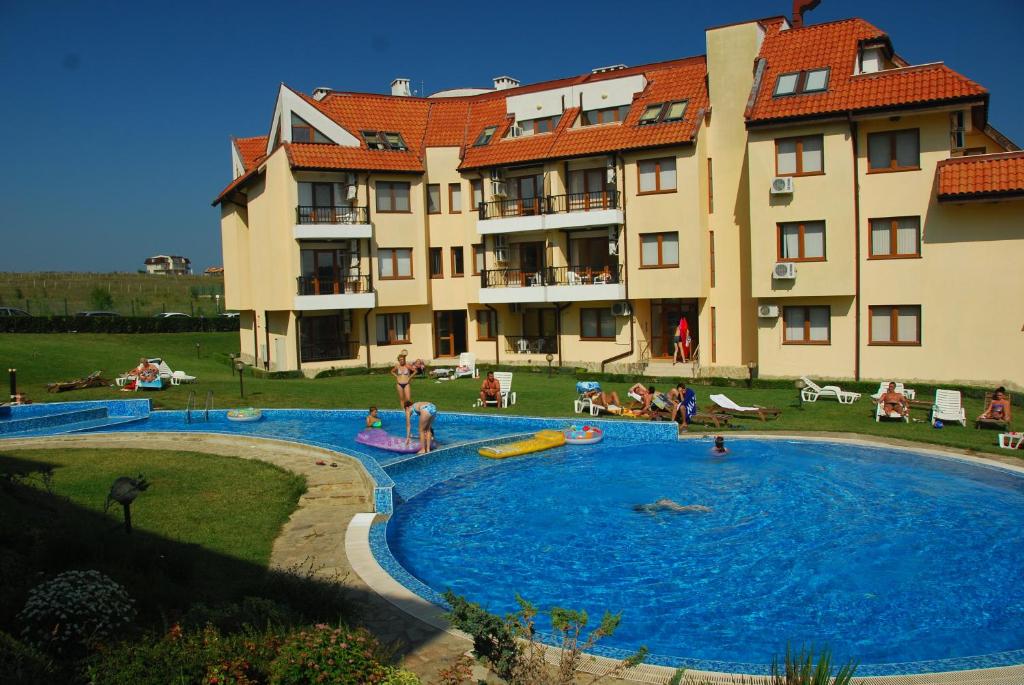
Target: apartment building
x: 163, y: 264
x: 805, y: 199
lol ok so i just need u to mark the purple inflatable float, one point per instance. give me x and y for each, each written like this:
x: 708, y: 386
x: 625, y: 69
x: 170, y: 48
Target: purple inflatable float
x: 382, y: 440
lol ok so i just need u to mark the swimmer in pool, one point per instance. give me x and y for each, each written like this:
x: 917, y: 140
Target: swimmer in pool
x: 664, y: 504
x: 372, y: 420
x: 719, y: 447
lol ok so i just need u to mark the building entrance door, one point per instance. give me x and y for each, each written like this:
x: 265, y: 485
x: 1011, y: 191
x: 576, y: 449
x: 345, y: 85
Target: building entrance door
x: 665, y: 316
x: 449, y: 333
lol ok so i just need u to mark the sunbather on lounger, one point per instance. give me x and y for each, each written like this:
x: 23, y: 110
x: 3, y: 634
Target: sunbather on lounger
x: 609, y: 401
x: 998, y: 408
x: 893, y: 402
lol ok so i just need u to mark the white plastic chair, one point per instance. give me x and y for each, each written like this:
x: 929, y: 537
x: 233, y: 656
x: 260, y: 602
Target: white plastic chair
x: 573, y: 278
x: 883, y: 388
x: 180, y: 377
x: 812, y: 391
x: 948, y: 407
x: 505, y: 395
x: 881, y: 413
x: 467, y: 366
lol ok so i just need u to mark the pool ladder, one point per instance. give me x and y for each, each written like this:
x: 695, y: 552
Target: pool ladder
x: 191, y: 404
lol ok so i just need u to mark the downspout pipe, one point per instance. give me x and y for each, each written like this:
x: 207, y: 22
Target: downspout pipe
x: 622, y: 272
x: 298, y: 341
x: 559, y: 308
x: 856, y: 252
x: 266, y: 335
x: 497, y: 335
x: 366, y: 334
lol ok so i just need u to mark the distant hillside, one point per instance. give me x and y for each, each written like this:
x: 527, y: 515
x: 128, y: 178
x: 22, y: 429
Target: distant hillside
x: 129, y: 294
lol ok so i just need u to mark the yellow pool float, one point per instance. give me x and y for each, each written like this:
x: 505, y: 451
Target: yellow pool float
x: 543, y: 440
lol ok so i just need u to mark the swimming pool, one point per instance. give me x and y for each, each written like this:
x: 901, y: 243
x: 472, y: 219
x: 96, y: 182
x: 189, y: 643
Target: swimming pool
x: 904, y: 562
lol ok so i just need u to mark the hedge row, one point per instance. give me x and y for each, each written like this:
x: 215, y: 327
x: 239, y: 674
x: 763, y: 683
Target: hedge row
x: 114, y: 324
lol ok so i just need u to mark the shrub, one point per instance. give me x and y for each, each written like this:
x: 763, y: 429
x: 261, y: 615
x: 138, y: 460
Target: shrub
x: 341, y: 656
x: 399, y: 676
x: 114, y: 324
x: 75, y: 608
x: 251, y: 612
x: 799, y: 668
x: 20, y: 663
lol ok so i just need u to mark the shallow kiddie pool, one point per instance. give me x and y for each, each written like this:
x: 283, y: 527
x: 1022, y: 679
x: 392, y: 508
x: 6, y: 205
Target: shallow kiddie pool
x: 904, y: 562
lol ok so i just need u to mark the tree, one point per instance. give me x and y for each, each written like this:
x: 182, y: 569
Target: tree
x: 100, y: 298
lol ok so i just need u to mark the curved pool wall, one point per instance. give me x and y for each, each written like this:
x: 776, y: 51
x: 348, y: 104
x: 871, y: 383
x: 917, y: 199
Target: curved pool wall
x: 401, y: 477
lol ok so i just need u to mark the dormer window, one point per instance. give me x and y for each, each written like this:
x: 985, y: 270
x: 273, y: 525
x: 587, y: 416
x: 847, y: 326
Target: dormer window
x: 384, y: 140
x: 871, y: 60
x: 799, y: 82
x: 303, y: 132
x: 607, y: 115
x: 652, y: 113
x: 541, y: 125
x: 486, y: 135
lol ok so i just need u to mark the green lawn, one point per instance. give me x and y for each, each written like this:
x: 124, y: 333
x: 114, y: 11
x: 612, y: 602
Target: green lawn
x: 45, y: 358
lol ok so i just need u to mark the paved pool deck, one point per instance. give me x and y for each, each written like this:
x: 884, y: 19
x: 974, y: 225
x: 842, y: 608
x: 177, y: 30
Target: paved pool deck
x: 328, y: 533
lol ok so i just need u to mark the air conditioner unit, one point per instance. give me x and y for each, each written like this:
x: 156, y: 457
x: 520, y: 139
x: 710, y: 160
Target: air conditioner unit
x: 351, y: 194
x: 784, y: 270
x: 768, y: 311
x: 621, y: 309
x: 514, y: 131
x: 499, y: 189
x: 496, y: 175
x: 782, y: 185
x: 515, y: 307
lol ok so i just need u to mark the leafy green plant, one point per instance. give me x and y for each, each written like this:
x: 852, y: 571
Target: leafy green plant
x: 21, y: 663
x: 342, y: 656
x: 511, y: 647
x: 101, y: 298
x: 75, y: 608
x: 800, y: 668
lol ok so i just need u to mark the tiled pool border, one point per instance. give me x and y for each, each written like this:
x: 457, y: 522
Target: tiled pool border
x: 366, y: 541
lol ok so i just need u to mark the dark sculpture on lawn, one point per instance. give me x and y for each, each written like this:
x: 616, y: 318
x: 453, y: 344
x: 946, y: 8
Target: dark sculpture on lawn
x: 124, y: 491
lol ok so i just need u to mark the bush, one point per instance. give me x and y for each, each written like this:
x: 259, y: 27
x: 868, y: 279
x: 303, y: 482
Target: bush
x: 398, y: 676
x: 340, y: 656
x: 251, y: 612
x: 20, y: 663
x: 75, y: 608
x: 115, y: 324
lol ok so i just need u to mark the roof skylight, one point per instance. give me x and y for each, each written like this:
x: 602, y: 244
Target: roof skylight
x: 798, y: 82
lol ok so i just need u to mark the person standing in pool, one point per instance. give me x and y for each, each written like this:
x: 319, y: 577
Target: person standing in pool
x: 372, y: 420
x: 425, y: 413
x: 719, y: 448
x: 403, y: 374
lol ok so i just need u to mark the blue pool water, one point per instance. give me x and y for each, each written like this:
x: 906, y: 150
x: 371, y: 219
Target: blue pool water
x: 885, y: 556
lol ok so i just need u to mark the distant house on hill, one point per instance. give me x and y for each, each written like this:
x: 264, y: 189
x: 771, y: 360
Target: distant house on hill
x: 169, y: 264
x: 214, y: 271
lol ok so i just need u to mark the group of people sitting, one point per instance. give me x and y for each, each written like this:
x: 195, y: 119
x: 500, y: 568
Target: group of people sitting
x: 679, y: 404
x: 145, y: 372
x: 895, y: 403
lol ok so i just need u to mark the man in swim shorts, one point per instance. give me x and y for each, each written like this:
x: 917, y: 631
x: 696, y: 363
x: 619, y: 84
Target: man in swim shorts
x: 490, y: 390
x: 664, y: 504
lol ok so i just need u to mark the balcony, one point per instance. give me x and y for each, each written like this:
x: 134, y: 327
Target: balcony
x: 332, y: 223
x: 552, y: 284
x: 347, y: 292
x: 530, y: 344
x: 329, y: 350
x: 551, y: 212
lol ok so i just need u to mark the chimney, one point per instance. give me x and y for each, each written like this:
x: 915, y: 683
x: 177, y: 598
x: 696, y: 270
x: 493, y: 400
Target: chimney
x: 505, y: 82
x: 799, y: 7
x: 400, y: 86
x: 320, y: 93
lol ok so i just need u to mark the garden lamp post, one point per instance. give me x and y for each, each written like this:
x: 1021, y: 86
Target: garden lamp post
x: 799, y: 393
x: 240, y: 365
x: 550, y: 357
x: 14, y: 385
x: 232, y: 356
x: 197, y: 350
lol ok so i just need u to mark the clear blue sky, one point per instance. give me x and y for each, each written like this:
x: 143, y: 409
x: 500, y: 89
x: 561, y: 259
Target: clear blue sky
x: 118, y: 114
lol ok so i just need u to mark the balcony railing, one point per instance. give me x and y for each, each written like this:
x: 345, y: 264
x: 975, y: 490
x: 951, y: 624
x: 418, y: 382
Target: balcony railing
x: 345, y: 285
x: 329, y: 350
x: 551, y: 204
x: 550, y: 275
x: 531, y: 344
x: 332, y: 215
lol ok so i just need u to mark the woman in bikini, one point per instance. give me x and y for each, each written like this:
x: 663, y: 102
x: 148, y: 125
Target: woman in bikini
x: 998, y: 408
x: 424, y: 413
x: 403, y: 374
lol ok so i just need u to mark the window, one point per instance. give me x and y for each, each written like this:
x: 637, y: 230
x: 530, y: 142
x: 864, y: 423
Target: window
x: 797, y: 82
x: 454, y: 198
x: 478, y: 192
x: 458, y: 261
x: 392, y: 196
x: 657, y: 175
x: 802, y: 241
x: 384, y: 140
x: 392, y: 329
x: 799, y: 156
x: 711, y: 188
x: 675, y: 110
x: 607, y: 115
x: 894, y: 151
x: 486, y: 325
x: 894, y: 325
x: 597, y: 324
x: 394, y: 263
x: 652, y: 113
x: 895, y: 238
x: 433, y: 198
x: 541, y: 125
x: 806, y: 325
x: 478, y: 259
x: 302, y: 132
x: 321, y: 338
x: 486, y: 135
x: 659, y: 250
x: 436, y: 267
x: 711, y: 247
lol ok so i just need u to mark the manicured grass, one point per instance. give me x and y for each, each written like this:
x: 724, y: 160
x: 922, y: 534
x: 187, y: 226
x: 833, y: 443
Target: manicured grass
x: 44, y: 358
x: 229, y: 506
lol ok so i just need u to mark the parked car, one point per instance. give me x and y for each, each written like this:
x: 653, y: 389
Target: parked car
x: 14, y: 311
x: 97, y: 313
x: 229, y: 315
x: 171, y: 315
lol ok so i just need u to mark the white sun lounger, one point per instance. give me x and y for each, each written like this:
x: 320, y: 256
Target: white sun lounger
x: 812, y: 391
x: 948, y: 407
x: 881, y: 413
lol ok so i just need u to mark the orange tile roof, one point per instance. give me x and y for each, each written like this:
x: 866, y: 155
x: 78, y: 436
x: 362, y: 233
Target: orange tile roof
x: 836, y: 45
x: 235, y: 185
x: 981, y: 176
x: 326, y: 156
x: 251, y: 150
